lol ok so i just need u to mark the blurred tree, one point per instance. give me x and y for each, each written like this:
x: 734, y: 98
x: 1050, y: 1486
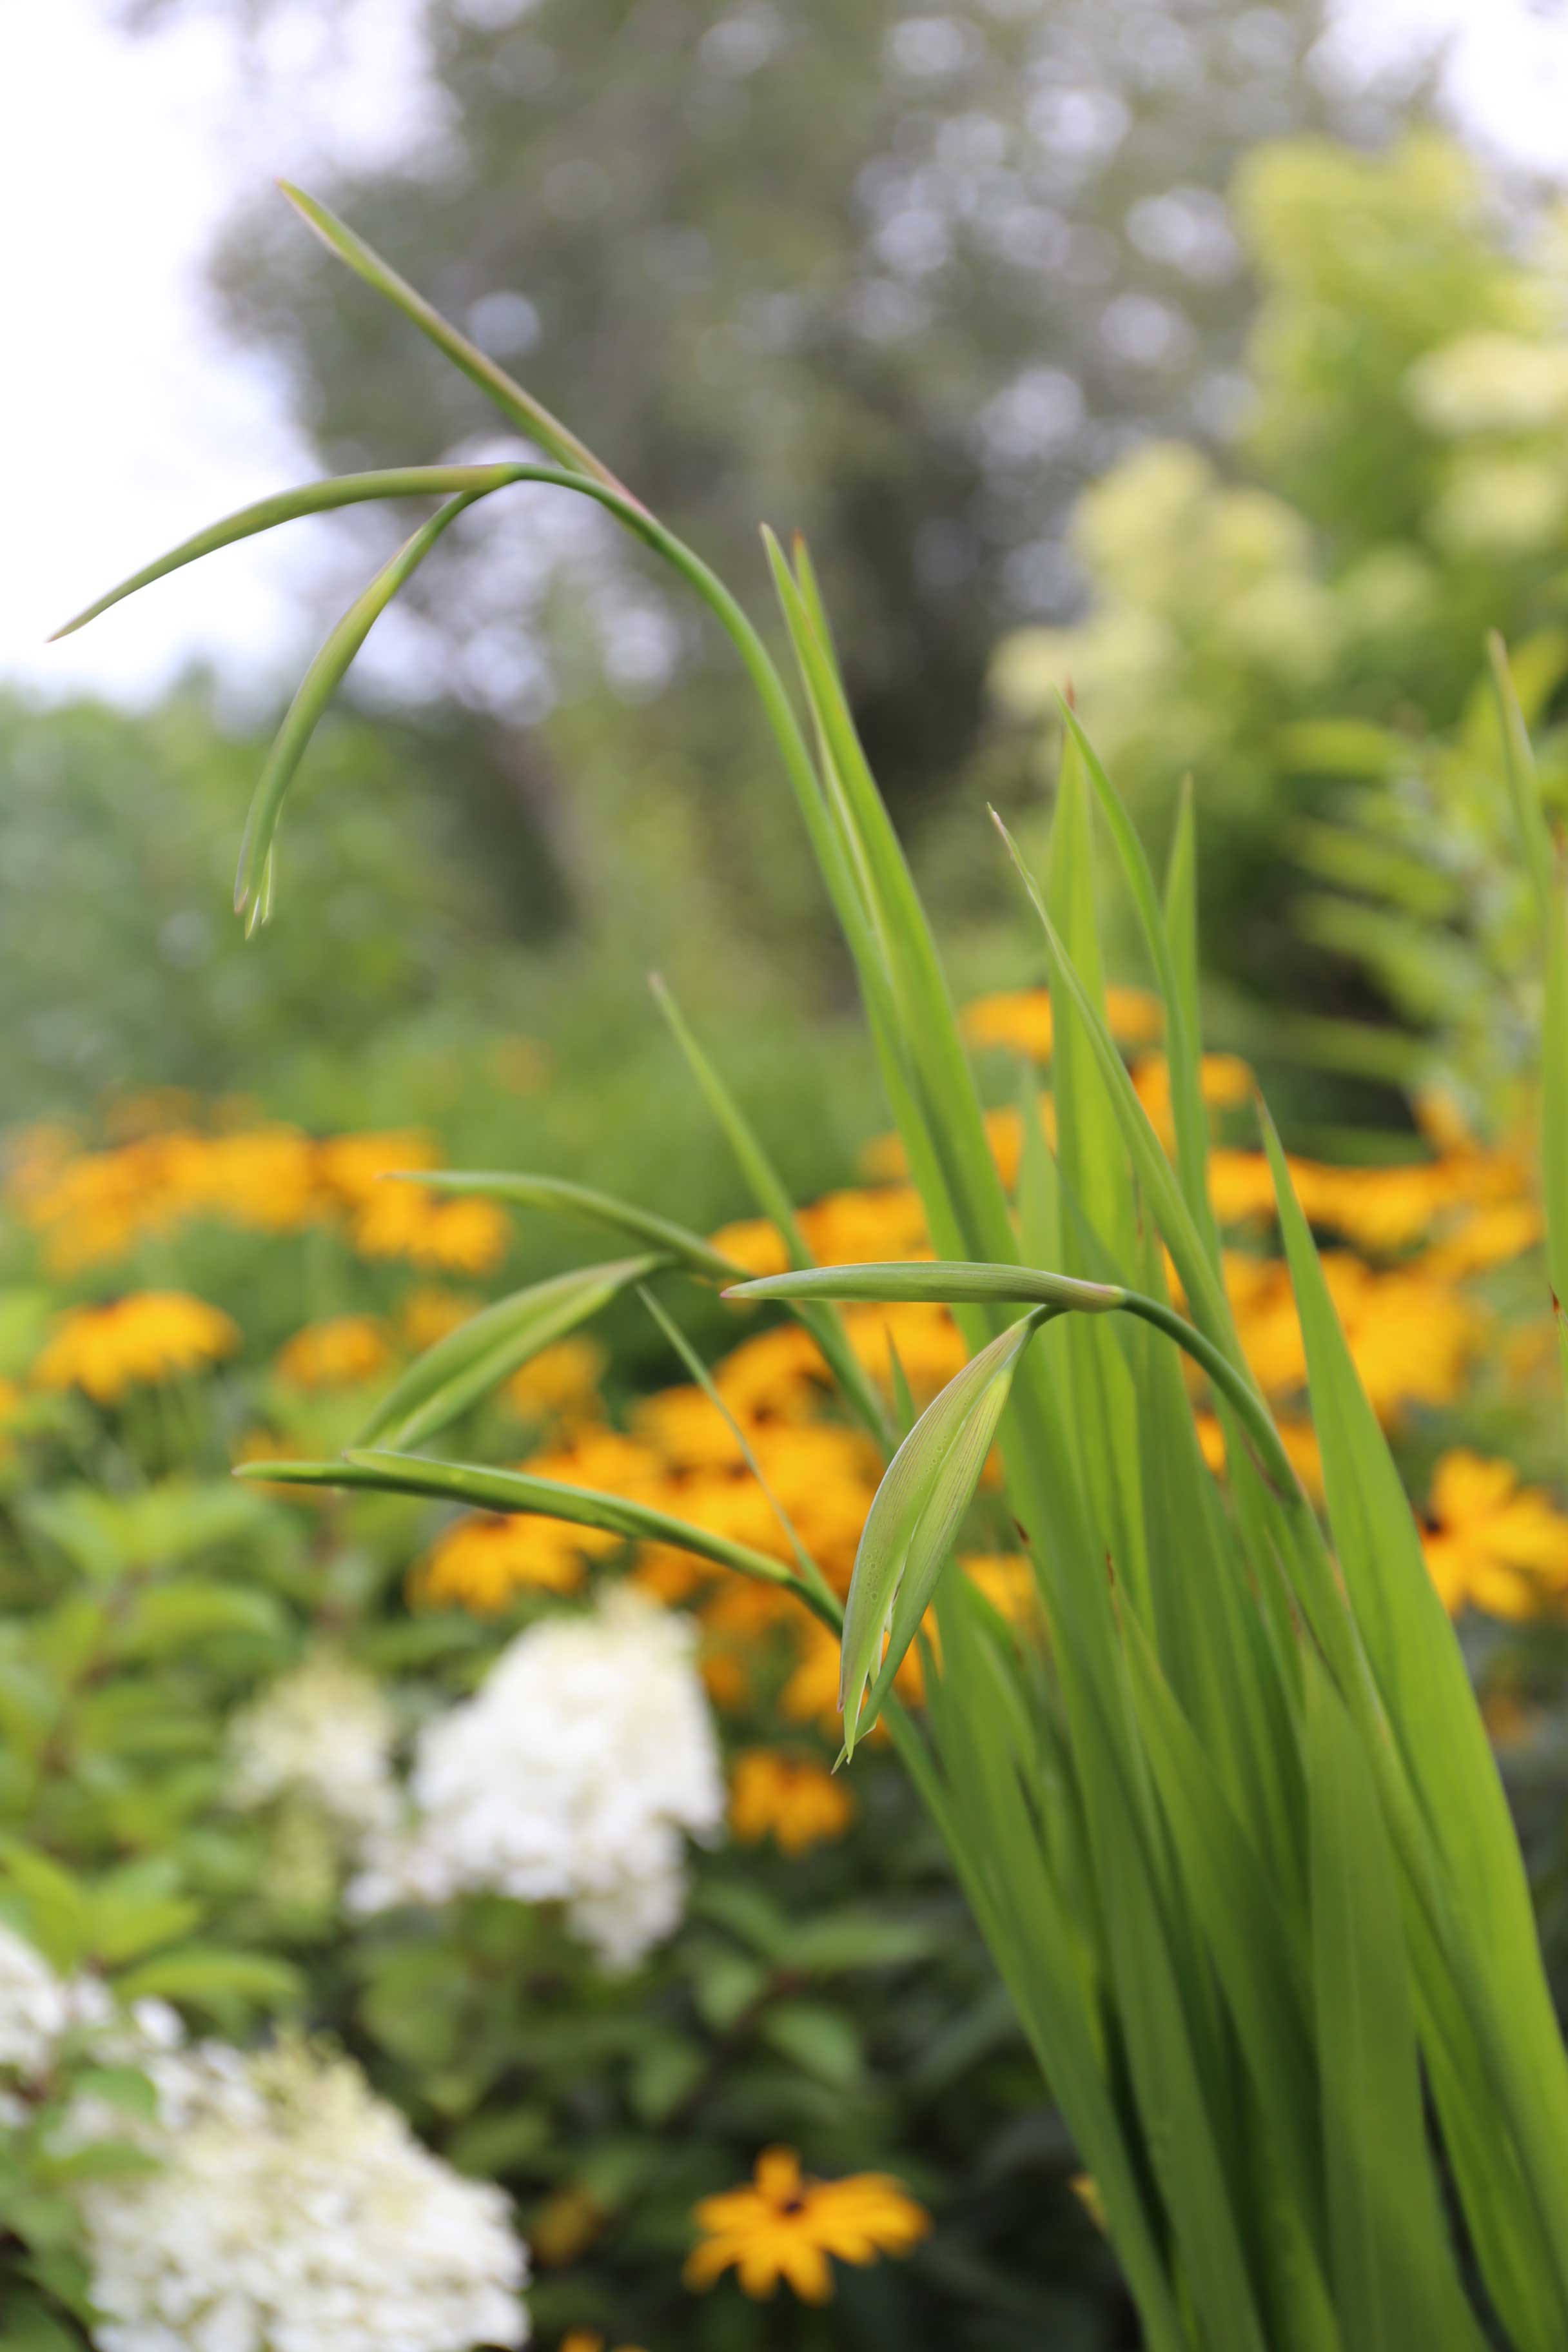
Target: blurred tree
x: 903, y: 278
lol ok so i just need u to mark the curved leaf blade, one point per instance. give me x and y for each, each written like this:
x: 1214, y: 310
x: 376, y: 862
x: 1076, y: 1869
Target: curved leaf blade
x: 289, y: 506
x: 939, y: 1281
x: 530, y: 416
x: 453, y: 1374
x: 320, y: 682
x: 480, y: 1489
x: 561, y: 1196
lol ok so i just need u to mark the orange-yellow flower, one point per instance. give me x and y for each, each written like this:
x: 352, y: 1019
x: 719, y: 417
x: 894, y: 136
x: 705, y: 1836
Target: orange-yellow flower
x: 1021, y: 1018
x: 1491, y: 1542
x: 139, y: 1341
x: 430, y: 1313
x: 334, y: 1354
x: 461, y: 1236
x: 561, y: 1383
x: 793, y: 1801
x: 481, y: 1562
x: 785, y: 2225
x: 754, y: 1243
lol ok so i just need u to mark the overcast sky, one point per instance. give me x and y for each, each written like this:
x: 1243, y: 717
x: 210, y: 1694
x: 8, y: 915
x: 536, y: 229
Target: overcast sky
x: 127, y: 422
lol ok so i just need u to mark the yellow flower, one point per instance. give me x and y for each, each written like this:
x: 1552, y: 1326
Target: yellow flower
x: 586, y: 2340
x: 1411, y: 1338
x: 561, y: 1383
x: 1021, y: 1019
x: 482, y: 1561
x: 754, y: 1243
x: 1224, y: 1080
x: 785, y: 2225
x: 1486, y: 1237
x: 564, y: 2227
x: 461, y: 1236
x: 929, y: 1343
x: 1490, y: 1541
x: 856, y: 1227
x: 779, y: 1375
x: 137, y: 1341
x: 353, y: 1165
x: 1007, y: 1580
x: 795, y: 1802
x: 430, y: 1313
x: 334, y: 1354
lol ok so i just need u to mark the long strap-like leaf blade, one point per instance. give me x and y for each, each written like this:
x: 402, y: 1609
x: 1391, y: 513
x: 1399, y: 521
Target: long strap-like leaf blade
x: 483, y: 1351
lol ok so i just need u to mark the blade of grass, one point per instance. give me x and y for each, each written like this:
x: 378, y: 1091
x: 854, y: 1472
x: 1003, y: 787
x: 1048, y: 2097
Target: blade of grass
x: 1393, y: 2268
x: 481, y: 1352
x: 560, y: 1197
x: 520, y: 407
x: 483, y: 1490
x: 320, y: 683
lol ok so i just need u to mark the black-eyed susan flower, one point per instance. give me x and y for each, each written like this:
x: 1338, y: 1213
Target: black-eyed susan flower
x: 482, y: 1563
x: 137, y: 1341
x: 335, y: 1354
x: 792, y: 1799
x: 1491, y: 1542
x: 785, y: 2225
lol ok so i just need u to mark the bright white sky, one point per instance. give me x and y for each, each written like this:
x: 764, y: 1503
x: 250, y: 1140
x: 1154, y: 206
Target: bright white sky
x: 126, y: 420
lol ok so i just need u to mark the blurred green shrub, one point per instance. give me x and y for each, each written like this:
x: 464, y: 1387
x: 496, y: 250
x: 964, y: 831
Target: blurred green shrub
x: 1401, y: 485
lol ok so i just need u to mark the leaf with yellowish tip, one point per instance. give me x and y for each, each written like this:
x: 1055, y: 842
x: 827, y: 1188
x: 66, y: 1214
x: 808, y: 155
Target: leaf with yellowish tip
x: 912, y: 1522
x: 481, y: 1352
x: 563, y: 1198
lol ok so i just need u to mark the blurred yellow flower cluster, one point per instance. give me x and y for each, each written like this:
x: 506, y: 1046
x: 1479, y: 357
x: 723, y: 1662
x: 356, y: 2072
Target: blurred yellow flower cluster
x: 91, y: 1207
x: 141, y: 1340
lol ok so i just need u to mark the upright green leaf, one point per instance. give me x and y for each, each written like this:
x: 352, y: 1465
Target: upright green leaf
x: 1393, y: 2268
x: 913, y: 1519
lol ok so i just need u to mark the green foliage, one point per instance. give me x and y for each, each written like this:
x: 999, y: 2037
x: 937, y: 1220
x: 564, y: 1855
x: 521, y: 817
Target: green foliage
x: 1316, y: 611
x: 1311, y: 1663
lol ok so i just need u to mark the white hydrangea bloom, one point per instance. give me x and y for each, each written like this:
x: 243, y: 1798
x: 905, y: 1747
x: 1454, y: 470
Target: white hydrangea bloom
x: 325, y: 1732
x: 293, y: 2210
x: 1491, y: 382
x: 568, y: 1778
x: 34, y: 2006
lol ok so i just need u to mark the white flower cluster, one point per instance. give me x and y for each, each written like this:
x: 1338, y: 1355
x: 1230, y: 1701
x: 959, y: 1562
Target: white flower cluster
x: 293, y: 2210
x: 323, y: 1732
x: 40, y: 2012
x: 35, y: 2007
x: 569, y: 1777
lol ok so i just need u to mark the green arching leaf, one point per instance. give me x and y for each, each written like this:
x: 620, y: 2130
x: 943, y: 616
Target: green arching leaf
x: 481, y: 1353
x: 914, y: 1518
x: 312, y: 498
x: 521, y: 408
x: 320, y: 683
x: 480, y: 1489
x: 1392, y: 2267
x: 560, y: 1197
x: 703, y: 1379
x: 946, y: 1281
